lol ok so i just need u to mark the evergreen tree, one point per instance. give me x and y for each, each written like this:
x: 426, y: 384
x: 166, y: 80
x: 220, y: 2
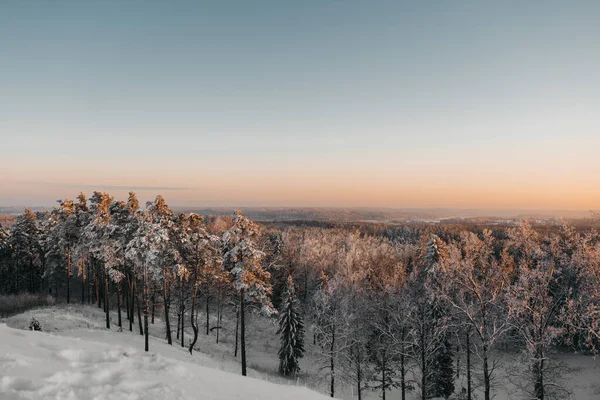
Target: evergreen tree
x: 5, y: 256
x: 441, y: 383
x: 291, y: 329
x: 434, y: 253
x: 25, y: 273
x: 244, y: 261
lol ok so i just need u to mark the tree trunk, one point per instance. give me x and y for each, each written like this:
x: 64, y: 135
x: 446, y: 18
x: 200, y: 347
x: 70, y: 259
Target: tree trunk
x: 146, y: 310
x: 178, y: 323
x: 207, y: 314
x: 237, y: 329
x: 538, y: 370
x: 383, y: 378
x: 68, y: 276
x: 97, y: 284
x: 153, y: 307
x: 132, y: 305
x: 403, y: 364
x: 193, y: 312
x: 486, y: 373
x: 182, y: 312
x: 469, y: 390
x: 119, y: 303
x: 219, y: 312
x: 179, y: 308
x: 332, y: 364
x: 182, y: 325
x: 166, y: 296
x: 423, y: 367
x: 128, y: 303
x: 87, y: 281
x: 359, y: 379
x: 105, y: 292
x: 83, y: 279
x: 139, y: 313
x: 243, y: 330
x: 106, y: 304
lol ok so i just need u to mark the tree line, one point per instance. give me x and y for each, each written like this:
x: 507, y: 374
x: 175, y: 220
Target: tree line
x: 398, y: 309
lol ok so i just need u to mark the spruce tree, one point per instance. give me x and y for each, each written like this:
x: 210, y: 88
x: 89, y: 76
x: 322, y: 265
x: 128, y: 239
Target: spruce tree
x: 291, y: 329
x: 442, y: 371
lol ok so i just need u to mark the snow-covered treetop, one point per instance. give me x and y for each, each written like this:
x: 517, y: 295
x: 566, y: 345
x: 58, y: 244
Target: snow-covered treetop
x: 244, y: 261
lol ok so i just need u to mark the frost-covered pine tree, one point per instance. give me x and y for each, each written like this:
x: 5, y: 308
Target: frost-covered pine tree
x: 244, y: 261
x: 5, y: 253
x: 291, y: 329
x: 435, y: 251
x: 25, y: 251
x: 199, y: 252
x: 144, y: 251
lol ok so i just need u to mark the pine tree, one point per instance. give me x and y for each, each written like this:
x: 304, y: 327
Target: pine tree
x: 441, y: 383
x: 25, y: 273
x: 251, y: 281
x: 291, y: 329
x: 435, y: 252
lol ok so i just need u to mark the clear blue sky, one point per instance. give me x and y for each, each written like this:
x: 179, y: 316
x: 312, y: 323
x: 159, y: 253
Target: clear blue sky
x: 383, y: 103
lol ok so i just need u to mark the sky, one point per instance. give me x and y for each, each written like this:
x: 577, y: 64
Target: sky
x: 462, y: 104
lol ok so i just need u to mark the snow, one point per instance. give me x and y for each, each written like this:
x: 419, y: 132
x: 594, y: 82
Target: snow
x: 76, y: 357
x: 84, y: 363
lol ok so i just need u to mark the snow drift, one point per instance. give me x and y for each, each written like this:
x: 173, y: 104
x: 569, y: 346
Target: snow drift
x: 39, y: 365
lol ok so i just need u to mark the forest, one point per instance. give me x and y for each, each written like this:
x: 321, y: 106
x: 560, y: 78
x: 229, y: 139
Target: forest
x: 403, y: 307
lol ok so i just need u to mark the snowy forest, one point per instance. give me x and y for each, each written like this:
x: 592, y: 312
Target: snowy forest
x: 399, y: 308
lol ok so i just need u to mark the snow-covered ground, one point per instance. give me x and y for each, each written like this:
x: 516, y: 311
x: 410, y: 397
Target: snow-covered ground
x: 77, y: 358
x: 82, y: 361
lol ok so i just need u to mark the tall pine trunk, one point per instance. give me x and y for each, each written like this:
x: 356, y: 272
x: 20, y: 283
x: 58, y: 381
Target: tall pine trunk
x: 182, y: 323
x: 153, y: 306
x: 237, y: 330
x: 166, y: 297
x: 207, y: 313
x: 243, y: 330
x: 87, y: 281
x: 179, y: 307
x: 127, y: 301
x: 146, y: 309
x: 68, y: 276
x: 181, y: 311
x: 119, y: 303
x: 132, y: 303
x: 219, y: 312
x: 193, y: 311
x: 106, y: 304
x: 83, y: 279
x: 139, y: 312
x: 97, y: 284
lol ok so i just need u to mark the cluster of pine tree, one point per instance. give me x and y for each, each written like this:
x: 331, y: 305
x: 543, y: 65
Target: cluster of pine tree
x: 403, y: 309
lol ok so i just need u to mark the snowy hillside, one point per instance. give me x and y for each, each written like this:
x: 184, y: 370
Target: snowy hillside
x: 80, y: 359
x: 98, y: 365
